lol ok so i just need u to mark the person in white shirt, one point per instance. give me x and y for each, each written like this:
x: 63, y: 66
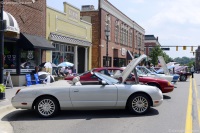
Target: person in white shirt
x: 62, y: 69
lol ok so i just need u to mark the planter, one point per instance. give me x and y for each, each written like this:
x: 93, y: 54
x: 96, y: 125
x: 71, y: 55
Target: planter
x: 2, y: 95
x: 2, y: 91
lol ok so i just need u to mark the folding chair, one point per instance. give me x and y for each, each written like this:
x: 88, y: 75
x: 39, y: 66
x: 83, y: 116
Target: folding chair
x: 28, y: 80
x: 37, y: 81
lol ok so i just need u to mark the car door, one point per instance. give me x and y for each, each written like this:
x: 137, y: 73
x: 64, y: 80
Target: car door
x: 93, y: 95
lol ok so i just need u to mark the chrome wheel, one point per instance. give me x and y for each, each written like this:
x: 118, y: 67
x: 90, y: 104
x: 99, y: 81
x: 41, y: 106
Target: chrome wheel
x: 140, y: 104
x: 46, y: 106
x: 183, y: 78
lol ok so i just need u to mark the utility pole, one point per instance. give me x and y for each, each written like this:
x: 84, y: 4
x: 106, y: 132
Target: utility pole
x: 2, y: 96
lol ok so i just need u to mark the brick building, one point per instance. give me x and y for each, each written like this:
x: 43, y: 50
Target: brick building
x: 150, y: 42
x: 125, y: 35
x: 25, y: 49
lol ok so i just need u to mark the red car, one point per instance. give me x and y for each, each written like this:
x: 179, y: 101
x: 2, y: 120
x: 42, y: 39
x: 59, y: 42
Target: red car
x: 89, y: 78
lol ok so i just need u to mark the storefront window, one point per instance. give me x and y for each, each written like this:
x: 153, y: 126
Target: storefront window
x: 65, y: 53
x: 28, y: 59
x: 119, y: 62
x: 9, y: 57
x: 109, y: 61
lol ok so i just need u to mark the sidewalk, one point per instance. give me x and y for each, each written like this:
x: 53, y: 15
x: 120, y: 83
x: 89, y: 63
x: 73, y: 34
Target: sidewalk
x: 10, y: 92
x: 5, y: 108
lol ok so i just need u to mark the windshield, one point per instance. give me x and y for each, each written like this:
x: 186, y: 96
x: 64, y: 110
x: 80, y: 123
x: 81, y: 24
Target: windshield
x: 106, y: 78
x: 144, y: 70
x: 153, y: 70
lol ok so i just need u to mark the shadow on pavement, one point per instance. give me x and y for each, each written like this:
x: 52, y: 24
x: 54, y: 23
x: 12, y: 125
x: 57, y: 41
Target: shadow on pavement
x: 30, y: 115
x: 166, y: 97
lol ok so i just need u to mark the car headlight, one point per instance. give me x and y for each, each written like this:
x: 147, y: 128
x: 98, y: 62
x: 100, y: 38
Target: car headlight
x: 169, y: 83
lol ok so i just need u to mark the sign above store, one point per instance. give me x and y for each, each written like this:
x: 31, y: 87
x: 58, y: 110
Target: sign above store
x: 123, y: 51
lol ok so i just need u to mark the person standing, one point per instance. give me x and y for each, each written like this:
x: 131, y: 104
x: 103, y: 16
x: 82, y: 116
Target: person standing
x: 192, y: 71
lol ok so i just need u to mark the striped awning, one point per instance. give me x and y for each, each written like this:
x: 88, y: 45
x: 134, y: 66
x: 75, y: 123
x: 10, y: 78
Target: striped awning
x: 65, y: 39
x: 11, y: 23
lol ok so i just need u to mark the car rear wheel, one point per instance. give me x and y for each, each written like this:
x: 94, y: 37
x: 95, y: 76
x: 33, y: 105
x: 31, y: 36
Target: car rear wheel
x: 139, y: 104
x: 183, y: 78
x: 46, y: 106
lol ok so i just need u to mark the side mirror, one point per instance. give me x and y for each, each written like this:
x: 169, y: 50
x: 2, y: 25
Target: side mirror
x: 104, y: 82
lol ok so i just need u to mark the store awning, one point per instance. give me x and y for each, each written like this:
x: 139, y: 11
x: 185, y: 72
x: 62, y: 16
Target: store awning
x: 28, y: 41
x: 129, y: 55
x: 65, y: 39
x: 11, y: 23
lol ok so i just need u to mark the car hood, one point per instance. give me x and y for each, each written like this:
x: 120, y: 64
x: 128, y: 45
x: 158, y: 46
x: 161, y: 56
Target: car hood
x: 163, y: 65
x: 131, y: 66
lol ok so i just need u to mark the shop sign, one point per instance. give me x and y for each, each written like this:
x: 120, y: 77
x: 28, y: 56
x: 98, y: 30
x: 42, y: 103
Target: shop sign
x: 22, y: 70
x: 73, y: 14
x: 123, y: 51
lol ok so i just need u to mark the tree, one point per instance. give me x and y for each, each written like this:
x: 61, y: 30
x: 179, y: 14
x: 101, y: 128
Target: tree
x: 166, y: 57
x: 156, y: 51
x: 184, y: 60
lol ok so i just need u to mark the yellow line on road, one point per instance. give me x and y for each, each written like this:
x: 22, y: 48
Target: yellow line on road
x: 198, y: 101
x: 188, y: 123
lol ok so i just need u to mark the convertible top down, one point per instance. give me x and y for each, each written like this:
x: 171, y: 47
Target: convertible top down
x: 110, y: 93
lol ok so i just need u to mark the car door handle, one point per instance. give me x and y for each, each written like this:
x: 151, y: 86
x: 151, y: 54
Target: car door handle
x: 76, y: 90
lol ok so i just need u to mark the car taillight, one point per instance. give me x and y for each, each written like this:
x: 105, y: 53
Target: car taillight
x: 17, y: 91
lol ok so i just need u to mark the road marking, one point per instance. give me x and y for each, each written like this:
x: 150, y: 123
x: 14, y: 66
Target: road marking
x: 198, y: 101
x: 188, y: 123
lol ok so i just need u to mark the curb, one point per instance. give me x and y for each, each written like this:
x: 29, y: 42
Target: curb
x: 6, y: 108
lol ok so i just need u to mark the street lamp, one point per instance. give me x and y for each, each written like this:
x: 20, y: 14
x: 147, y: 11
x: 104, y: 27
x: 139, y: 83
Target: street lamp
x: 2, y: 95
x: 107, y: 32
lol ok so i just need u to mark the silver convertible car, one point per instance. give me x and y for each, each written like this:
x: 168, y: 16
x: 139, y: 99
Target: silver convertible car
x: 48, y: 99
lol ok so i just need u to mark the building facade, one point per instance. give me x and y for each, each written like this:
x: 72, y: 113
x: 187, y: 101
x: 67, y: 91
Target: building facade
x: 150, y: 42
x: 125, y: 35
x: 197, y: 59
x: 27, y: 48
x: 71, y: 36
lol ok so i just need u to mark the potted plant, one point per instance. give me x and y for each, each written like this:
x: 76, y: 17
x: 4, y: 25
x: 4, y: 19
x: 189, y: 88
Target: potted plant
x: 2, y: 91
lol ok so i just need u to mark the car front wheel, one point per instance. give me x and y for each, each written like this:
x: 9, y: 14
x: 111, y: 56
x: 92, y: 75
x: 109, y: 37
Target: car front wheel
x: 183, y: 78
x: 139, y: 104
x: 46, y: 106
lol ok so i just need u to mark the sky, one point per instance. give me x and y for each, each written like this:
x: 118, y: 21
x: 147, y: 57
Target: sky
x: 174, y: 22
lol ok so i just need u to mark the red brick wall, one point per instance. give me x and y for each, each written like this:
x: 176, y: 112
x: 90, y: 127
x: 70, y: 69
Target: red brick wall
x: 95, y: 37
x: 112, y: 44
x: 30, y: 17
x: 149, y: 45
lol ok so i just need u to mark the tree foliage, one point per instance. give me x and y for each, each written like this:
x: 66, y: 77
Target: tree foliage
x: 185, y: 61
x: 166, y: 57
x: 155, y: 52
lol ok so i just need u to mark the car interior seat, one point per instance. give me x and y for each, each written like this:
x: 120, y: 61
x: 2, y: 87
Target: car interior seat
x: 76, y: 81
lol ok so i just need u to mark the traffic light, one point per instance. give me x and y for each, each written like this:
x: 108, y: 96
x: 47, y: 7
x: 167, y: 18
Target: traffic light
x: 184, y: 47
x: 192, y: 48
x: 176, y: 48
x: 193, y: 53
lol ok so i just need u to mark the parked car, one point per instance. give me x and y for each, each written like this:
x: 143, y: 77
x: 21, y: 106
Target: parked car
x: 160, y: 72
x: 143, y: 71
x: 181, y: 71
x: 110, y: 93
x: 88, y: 78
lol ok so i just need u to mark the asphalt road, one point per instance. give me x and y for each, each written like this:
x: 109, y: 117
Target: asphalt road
x: 179, y: 113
